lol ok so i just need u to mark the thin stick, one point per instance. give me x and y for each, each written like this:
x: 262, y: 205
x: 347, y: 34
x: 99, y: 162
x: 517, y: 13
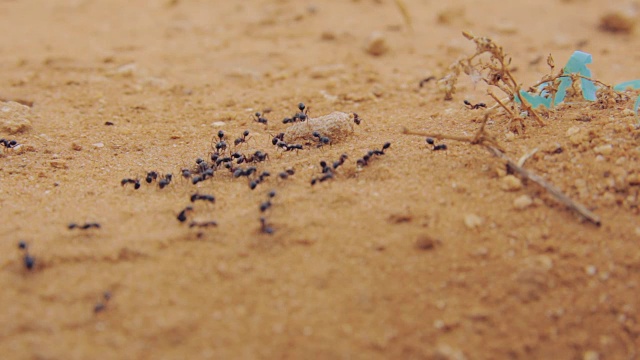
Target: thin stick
x: 554, y: 191
x: 481, y: 137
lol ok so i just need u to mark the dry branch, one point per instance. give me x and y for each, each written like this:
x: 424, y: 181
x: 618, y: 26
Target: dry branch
x: 483, y: 138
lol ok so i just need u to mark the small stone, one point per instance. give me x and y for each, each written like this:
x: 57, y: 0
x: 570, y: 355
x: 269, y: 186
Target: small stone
x: 590, y: 355
x: 573, y: 130
x: 59, y: 164
x: 76, y: 147
x: 328, y: 35
x: 617, y: 22
x: 522, y: 202
x: 98, y: 145
x: 591, y: 270
x: 376, y: 44
x: 446, y: 352
x: 511, y: 183
x: 218, y: 123
x: 472, y: 221
x: 637, y: 231
x: 14, y: 117
x: 603, y: 149
x: 426, y: 242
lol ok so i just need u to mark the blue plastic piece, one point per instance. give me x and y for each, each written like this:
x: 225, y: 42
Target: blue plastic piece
x: 633, y: 84
x: 635, y: 106
x: 577, y: 64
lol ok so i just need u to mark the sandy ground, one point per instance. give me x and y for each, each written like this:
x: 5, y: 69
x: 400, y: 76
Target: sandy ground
x: 420, y: 254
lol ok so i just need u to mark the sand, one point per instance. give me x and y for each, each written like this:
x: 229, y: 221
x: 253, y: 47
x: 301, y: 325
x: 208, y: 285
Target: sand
x: 418, y: 254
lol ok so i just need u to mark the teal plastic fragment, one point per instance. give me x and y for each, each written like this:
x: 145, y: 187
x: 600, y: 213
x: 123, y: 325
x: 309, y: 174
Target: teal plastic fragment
x: 535, y: 100
x: 635, y: 106
x: 577, y: 64
x: 633, y: 84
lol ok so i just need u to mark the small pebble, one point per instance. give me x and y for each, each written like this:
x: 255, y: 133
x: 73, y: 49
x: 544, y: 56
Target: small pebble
x: 511, y: 183
x: 426, y: 242
x: 603, y: 149
x: 590, y: 355
x: 522, y: 202
x: 76, y: 147
x: 591, y: 270
x: 98, y: 145
x: 377, y: 44
x: 218, y: 123
x: 472, y: 221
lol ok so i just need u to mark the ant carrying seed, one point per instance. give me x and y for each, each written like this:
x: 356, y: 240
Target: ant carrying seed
x: 28, y: 260
x: 204, y: 197
x: 85, y: 226
x: 203, y: 224
x: 103, y: 304
x: 135, y: 182
x: 242, y: 139
x: 475, y: 106
x: 182, y: 216
x: 290, y: 147
x: 258, y: 118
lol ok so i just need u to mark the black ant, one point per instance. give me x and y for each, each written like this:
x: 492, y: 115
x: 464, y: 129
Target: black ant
x: 440, y: 147
x: 166, y: 180
x: 9, y: 144
x: 356, y: 119
x: 135, y: 182
x: 151, y: 176
x: 103, y: 304
x: 242, y: 139
x: 364, y: 161
x: 303, y: 114
x: 475, y: 106
x: 278, y: 138
x: 264, y: 227
x: 182, y: 216
x: 322, y: 140
x: 430, y: 141
x: 323, y: 178
x: 242, y: 172
x: 285, y: 174
x: 186, y: 173
x: 203, y: 224
x: 260, y: 119
x: 85, y: 226
x: 29, y: 261
x: 339, y: 163
x: 209, y: 198
x: 299, y: 116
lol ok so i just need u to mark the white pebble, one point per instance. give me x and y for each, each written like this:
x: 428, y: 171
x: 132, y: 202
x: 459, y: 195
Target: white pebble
x: 472, y: 221
x: 522, y: 202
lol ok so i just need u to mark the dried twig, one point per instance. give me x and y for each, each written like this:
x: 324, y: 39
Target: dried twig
x: 483, y: 138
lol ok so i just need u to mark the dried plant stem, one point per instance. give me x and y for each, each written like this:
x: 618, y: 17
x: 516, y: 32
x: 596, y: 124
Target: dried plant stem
x: 482, y: 138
